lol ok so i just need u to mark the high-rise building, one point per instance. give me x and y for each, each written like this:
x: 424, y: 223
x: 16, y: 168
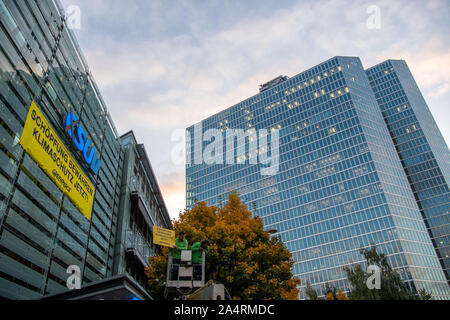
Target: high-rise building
x: 338, y: 184
x: 62, y: 164
x: 423, y: 152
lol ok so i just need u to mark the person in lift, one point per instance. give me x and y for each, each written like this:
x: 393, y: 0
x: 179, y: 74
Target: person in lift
x: 197, y: 250
x: 180, y: 244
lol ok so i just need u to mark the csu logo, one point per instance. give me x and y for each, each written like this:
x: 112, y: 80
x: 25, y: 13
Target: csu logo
x: 81, y: 142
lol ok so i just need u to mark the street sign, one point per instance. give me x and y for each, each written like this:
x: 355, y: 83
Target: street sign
x: 163, y: 237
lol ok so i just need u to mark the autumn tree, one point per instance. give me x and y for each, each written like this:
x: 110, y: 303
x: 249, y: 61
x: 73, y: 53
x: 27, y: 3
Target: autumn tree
x: 329, y: 296
x: 242, y: 256
x: 330, y: 292
x: 341, y: 295
x: 392, y: 286
x: 310, y: 293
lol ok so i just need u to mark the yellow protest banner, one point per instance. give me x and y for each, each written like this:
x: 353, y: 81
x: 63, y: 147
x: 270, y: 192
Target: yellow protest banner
x: 163, y: 237
x: 44, y: 146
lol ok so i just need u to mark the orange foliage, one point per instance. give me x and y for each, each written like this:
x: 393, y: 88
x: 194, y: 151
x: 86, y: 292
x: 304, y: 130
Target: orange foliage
x: 341, y: 295
x: 242, y: 255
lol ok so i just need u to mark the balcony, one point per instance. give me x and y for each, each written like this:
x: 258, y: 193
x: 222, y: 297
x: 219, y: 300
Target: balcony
x: 137, y: 248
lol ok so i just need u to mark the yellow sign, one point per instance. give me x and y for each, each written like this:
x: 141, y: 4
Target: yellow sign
x: 42, y: 143
x: 163, y: 237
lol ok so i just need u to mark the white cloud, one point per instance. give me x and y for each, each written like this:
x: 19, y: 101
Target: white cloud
x: 165, y: 79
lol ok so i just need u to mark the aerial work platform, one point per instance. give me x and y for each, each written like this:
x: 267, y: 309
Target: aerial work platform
x: 185, y: 281
x: 185, y: 277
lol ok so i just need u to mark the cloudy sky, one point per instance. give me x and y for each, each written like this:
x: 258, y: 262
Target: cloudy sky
x: 163, y: 65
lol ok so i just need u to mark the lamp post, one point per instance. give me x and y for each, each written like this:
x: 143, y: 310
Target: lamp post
x: 271, y: 231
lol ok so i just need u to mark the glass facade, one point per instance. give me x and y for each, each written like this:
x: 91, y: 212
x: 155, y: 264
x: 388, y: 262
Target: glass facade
x: 422, y: 149
x: 340, y: 184
x: 41, y: 231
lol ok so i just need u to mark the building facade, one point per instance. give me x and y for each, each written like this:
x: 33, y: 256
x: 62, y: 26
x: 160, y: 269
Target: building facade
x: 339, y: 186
x: 45, y: 226
x: 141, y: 208
x: 423, y: 152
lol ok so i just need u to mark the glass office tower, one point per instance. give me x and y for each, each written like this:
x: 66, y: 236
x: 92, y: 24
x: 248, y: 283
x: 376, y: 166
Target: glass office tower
x: 422, y: 149
x: 340, y: 184
x: 42, y: 231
